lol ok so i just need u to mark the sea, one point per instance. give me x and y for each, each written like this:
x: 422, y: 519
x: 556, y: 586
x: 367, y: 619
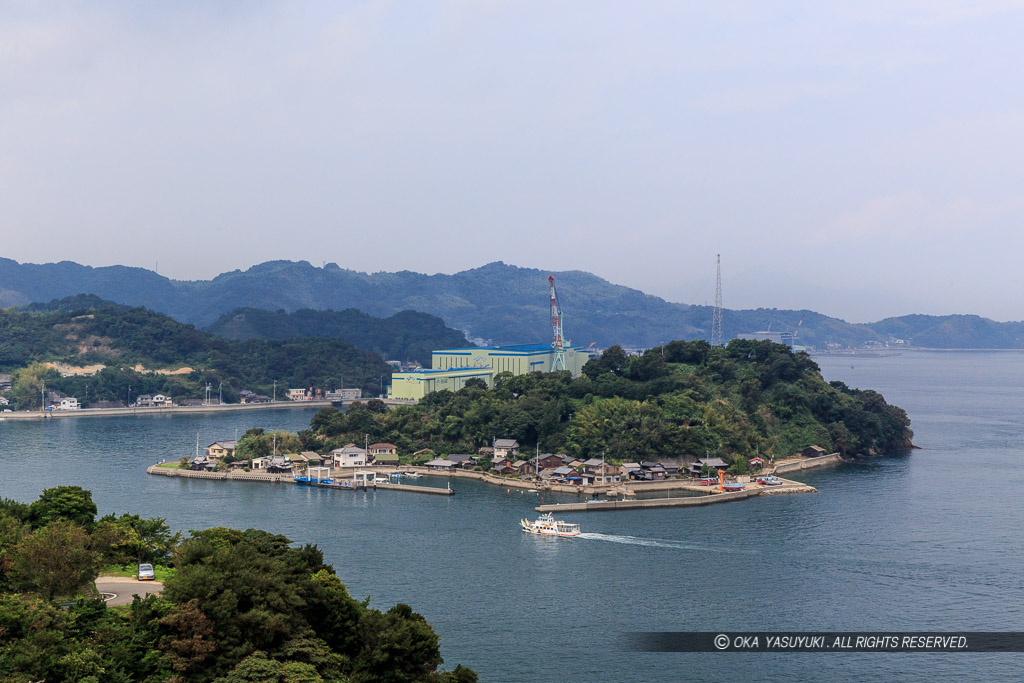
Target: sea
x: 928, y: 540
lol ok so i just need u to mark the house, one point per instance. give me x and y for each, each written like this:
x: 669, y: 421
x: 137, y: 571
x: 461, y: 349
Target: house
x: 385, y: 459
x: 506, y: 448
x: 611, y: 476
x: 466, y: 462
x: 246, y: 396
x: 441, y: 464
x: 349, y: 455
x: 69, y: 403
x: 298, y: 395
x: 220, y: 449
x: 201, y: 463
x: 575, y: 464
x: 756, y: 461
x: 300, y: 459
x: 5, y: 383
x: 520, y: 467
x: 657, y: 473
x: 260, y: 463
x: 812, y: 451
x: 594, y: 465
x: 486, y: 452
x: 4, y: 401
x: 564, y: 472
x: 381, y: 449
x: 423, y: 453
x: 312, y: 458
x: 549, y: 461
x: 279, y: 464
x: 503, y: 467
x: 152, y: 401
x: 713, y: 463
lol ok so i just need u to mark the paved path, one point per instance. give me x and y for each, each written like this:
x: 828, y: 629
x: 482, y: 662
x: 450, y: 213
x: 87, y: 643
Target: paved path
x: 124, y: 588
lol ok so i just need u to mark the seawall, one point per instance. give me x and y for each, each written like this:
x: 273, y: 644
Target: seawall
x: 807, y: 463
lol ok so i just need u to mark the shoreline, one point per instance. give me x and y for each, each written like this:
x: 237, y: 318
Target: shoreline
x: 163, y: 410
x: 709, y: 494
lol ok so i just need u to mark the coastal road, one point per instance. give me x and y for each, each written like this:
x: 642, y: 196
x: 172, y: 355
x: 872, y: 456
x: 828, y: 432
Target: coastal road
x: 123, y: 588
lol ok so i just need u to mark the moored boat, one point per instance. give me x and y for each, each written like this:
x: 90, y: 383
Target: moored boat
x: 546, y: 525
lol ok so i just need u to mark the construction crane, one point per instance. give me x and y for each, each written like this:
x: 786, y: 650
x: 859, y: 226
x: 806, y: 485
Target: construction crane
x: 558, y: 345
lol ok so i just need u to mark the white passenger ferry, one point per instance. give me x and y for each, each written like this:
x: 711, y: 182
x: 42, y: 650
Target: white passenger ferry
x: 547, y: 526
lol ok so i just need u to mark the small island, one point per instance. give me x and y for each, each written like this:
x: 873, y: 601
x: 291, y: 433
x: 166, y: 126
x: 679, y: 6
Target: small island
x: 672, y: 418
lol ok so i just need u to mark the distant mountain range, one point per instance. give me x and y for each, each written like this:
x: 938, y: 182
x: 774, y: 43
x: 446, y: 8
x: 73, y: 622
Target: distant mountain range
x: 495, y: 303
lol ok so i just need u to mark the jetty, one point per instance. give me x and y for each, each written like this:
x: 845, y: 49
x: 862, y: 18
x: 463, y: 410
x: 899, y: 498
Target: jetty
x: 235, y: 475
x: 709, y: 498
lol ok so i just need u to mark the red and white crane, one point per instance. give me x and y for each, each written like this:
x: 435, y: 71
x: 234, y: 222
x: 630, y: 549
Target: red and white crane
x: 558, y: 358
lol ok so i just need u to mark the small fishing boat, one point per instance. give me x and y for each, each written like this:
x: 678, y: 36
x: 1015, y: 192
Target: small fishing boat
x: 769, y: 481
x: 412, y: 475
x: 733, y: 487
x: 546, y: 525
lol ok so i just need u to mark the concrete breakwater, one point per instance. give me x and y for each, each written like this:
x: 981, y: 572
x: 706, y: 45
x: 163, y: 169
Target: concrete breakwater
x: 711, y: 498
x: 290, y: 479
x: 807, y: 463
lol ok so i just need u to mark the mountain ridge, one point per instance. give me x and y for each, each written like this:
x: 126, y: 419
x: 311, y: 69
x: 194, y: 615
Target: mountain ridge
x: 495, y: 303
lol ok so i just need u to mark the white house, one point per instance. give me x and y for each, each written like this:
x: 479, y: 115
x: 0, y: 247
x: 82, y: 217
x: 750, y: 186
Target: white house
x: 349, y: 456
x: 4, y: 401
x: 505, y: 449
x: 298, y: 395
x: 69, y: 403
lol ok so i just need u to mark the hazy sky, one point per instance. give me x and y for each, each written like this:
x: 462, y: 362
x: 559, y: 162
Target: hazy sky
x: 860, y: 159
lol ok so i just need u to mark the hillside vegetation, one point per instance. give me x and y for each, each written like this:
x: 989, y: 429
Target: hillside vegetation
x: 84, y: 331
x: 685, y: 400
x: 239, y: 606
x: 405, y: 336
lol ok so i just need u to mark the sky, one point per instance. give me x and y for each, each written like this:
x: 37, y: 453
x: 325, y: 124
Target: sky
x: 857, y: 159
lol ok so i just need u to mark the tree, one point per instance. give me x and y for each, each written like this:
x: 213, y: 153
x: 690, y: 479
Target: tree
x: 55, y: 560
x: 71, y: 503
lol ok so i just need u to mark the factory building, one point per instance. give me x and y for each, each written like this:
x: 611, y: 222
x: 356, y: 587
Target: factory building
x: 451, y: 368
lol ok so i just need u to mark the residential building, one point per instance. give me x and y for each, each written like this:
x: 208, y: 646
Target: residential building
x: 220, y: 449
x: 376, y: 449
x: 506, y: 448
x: 349, y: 455
x: 68, y: 403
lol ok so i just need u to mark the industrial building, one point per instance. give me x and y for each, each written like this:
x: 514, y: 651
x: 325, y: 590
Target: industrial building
x: 450, y: 368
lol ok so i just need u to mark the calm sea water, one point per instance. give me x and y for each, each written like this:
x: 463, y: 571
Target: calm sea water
x: 925, y: 541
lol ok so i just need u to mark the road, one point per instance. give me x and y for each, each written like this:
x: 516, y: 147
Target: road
x: 124, y: 588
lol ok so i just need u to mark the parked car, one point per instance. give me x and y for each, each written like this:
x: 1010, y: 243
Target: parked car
x: 146, y: 572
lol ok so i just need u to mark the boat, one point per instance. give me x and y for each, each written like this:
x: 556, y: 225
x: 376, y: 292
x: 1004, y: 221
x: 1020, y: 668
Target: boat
x: 412, y: 475
x: 733, y: 487
x: 546, y: 525
x: 381, y: 480
x: 769, y: 481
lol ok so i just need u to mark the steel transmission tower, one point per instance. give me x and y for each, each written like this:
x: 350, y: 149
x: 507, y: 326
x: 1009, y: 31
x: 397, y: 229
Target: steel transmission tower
x: 558, y: 360
x: 716, y: 318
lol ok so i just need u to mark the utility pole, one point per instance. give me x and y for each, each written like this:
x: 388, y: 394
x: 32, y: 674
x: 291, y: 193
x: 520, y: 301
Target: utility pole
x: 275, y: 392
x: 220, y: 394
x: 716, y: 317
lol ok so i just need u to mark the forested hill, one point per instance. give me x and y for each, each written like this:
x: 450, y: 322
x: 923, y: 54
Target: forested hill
x: 407, y: 335
x: 153, y: 353
x: 678, y: 401
x: 499, y: 303
x: 236, y: 606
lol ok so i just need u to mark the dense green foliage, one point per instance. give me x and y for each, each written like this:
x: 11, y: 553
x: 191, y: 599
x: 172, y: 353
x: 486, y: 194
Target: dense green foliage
x: 84, y: 331
x: 405, y: 336
x: 241, y: 606
x: 683, y: 399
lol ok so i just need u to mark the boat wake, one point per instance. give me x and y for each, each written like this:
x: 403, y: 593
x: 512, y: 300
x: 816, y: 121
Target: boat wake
x: 659, y: 543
